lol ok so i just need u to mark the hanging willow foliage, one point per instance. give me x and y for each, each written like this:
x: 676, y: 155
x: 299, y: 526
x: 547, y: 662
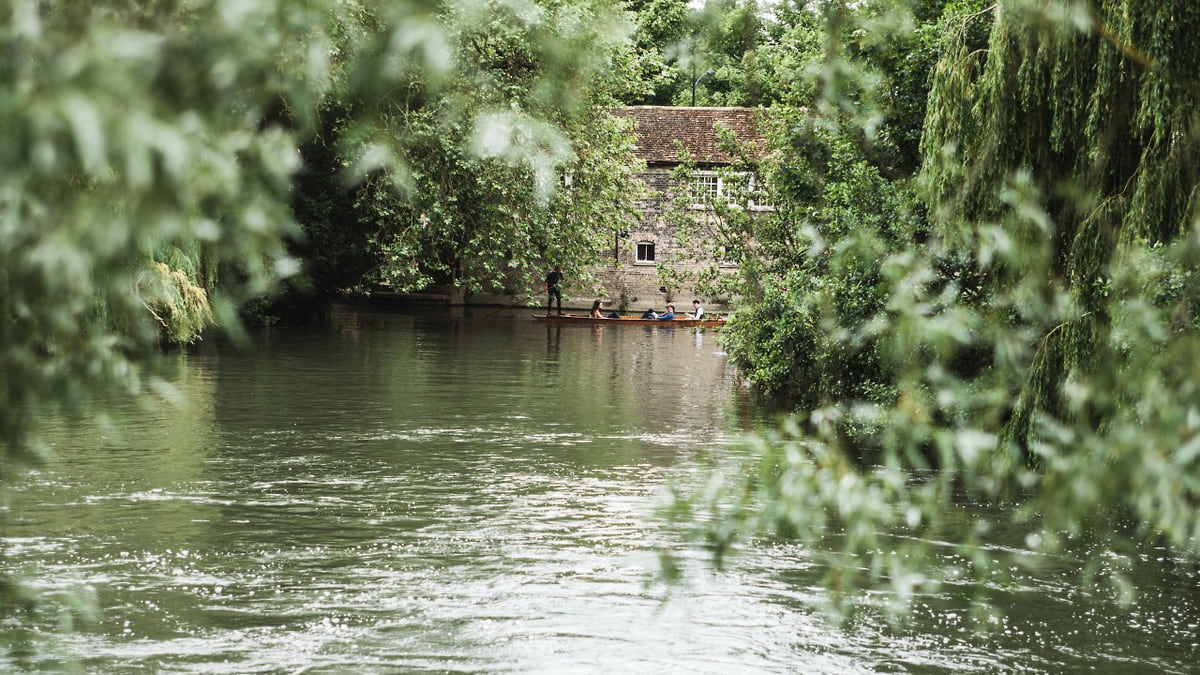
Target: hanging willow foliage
x: 1098, y: 104
x: 1043, y: 352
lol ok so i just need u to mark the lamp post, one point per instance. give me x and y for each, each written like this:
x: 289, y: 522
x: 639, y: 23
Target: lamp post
x: 696, y: 80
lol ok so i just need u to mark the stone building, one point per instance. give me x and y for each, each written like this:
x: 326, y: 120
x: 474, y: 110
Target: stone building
x: 631, y: 277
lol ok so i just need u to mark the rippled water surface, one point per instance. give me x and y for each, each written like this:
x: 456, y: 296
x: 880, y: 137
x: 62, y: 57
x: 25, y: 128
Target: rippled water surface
x: 448, y: 492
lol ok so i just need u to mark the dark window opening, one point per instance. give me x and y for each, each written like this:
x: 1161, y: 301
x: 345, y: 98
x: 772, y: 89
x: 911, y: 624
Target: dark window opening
x: 645, y: 252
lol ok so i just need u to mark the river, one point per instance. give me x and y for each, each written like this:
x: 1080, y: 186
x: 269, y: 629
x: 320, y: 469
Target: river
x: 457, y: 491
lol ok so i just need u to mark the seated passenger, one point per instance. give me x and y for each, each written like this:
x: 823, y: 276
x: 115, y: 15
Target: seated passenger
x: 596, y: 313
x: 667, y: 315
x: 650, y: 314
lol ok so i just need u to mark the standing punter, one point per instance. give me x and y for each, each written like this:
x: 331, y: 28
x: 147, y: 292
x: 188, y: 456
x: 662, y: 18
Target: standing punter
x: 554, y: 281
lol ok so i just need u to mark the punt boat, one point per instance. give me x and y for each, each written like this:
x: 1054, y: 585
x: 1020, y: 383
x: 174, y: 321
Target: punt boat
x: 678, y: 322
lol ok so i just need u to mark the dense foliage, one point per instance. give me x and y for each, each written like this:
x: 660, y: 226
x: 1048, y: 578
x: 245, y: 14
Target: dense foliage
x: 142, y: 167
x: 153, y: 153
x: 838, y: 174
x: 1031, y: 346
x: 512, y: 165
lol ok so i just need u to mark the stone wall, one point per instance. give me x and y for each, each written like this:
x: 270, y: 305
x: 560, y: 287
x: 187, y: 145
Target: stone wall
x: 636, y: 284
x: 625, y: 282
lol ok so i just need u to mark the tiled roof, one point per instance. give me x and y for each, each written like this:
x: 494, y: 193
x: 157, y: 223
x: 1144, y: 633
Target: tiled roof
x: 658, y: 127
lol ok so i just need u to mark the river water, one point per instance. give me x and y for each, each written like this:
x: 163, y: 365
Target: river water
x: 466, y: 492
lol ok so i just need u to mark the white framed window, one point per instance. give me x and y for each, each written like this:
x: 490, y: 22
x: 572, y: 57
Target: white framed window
x: 705, y: 187
x: 645, y: 252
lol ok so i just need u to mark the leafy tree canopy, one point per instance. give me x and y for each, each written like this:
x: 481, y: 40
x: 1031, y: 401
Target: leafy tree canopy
x: 1030, y: 345
x: 511, y: 166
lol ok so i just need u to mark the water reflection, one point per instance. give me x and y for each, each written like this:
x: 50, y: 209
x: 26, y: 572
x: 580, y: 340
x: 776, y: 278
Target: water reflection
x: 445, y: 492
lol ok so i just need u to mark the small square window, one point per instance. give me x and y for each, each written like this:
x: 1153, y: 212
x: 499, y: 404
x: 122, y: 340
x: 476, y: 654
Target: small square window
x: 645, y: 252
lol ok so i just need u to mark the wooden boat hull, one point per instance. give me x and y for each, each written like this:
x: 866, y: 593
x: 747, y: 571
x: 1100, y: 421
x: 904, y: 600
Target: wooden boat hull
x: 585, y: 320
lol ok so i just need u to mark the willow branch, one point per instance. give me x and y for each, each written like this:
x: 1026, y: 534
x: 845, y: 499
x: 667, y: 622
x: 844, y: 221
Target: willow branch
x: 1138, y: 56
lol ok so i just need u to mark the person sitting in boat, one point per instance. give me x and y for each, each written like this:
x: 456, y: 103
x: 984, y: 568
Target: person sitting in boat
x: 697, y: 310
x: 596, y: 313
x: 668, y: 315
x: 650, y: 314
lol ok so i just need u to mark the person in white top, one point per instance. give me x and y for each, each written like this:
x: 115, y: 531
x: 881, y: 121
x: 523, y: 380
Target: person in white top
x: 697, y: 310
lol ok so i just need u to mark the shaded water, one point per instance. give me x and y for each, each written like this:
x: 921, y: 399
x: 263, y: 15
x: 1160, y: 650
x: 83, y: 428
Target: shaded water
x: 445, y: 492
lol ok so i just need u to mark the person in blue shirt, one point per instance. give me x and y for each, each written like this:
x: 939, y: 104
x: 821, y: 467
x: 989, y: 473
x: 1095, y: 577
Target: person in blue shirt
x: 668, y: 315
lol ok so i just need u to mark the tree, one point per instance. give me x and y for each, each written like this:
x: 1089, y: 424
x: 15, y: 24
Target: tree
x: 710, y: 51
x: 1105, y: 149
x: 141, y: 167
x: 479, y: 224
x: 660, y: 24
x: 509, y: 171
x: 149, y: 153
x: 837, y: 179
x: 1042, y: 341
